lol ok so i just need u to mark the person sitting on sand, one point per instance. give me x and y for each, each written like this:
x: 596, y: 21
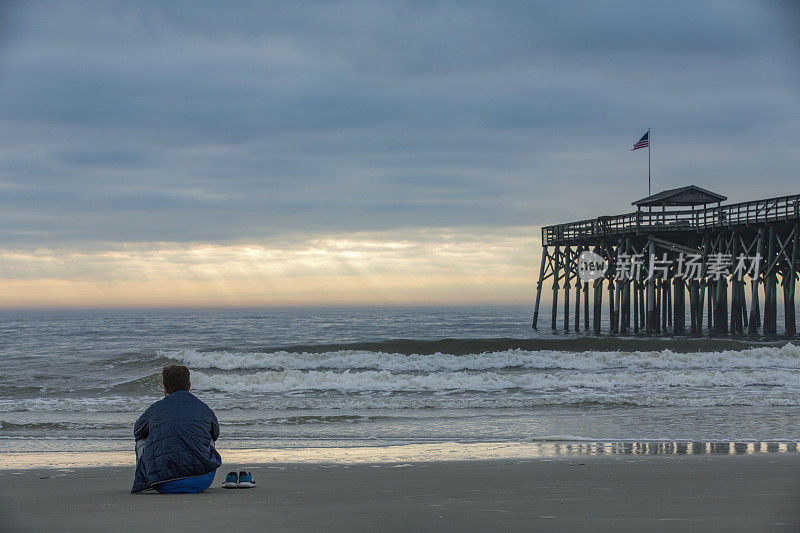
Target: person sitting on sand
x: 175, y: 440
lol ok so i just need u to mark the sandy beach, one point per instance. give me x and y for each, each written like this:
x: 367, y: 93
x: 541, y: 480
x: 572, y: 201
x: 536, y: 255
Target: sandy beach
x: 672, y: 493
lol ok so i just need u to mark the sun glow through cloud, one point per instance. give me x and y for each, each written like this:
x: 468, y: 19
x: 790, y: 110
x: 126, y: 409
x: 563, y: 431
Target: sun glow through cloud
x: 390, y: 268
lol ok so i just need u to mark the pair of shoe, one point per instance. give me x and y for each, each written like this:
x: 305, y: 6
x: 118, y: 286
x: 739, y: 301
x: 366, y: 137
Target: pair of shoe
x: 242, y: 480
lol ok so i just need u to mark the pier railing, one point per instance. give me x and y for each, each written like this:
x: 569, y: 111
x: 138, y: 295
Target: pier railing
x: 757, y: 211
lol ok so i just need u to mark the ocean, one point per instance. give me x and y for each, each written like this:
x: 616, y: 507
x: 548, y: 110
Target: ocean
x: 295, y: 379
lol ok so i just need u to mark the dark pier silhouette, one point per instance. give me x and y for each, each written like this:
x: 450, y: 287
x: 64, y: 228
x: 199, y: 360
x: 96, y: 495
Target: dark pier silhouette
x: 681, y: 245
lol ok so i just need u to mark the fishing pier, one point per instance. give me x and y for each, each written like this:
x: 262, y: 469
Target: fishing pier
x: 681, y: 249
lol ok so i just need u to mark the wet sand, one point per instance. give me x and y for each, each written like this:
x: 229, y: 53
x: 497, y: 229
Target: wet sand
x: 620, y: 493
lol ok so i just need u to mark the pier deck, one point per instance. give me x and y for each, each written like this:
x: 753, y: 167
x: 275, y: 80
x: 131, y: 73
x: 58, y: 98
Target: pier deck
x: 782, y: 208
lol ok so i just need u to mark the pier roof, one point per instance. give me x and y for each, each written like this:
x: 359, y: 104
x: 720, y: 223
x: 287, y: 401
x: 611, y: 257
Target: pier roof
x: 689, y: 195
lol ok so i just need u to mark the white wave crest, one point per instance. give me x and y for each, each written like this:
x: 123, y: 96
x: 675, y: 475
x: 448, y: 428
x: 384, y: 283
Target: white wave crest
x: 224, y: 402
x: 116, y: 404
x: 288, y: 381
x: 639, y: 398
x: 787, y: 356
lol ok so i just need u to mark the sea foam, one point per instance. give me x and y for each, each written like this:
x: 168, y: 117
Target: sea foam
x: 787, y: 356
x: 442, y: 382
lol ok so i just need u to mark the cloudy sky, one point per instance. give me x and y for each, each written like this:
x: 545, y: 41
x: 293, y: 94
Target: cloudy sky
x: 326, y: 153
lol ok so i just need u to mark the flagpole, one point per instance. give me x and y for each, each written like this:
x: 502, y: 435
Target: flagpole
x: 649, y: 142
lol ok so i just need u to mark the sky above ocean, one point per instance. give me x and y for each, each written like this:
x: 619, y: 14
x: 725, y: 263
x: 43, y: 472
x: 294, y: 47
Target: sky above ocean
x: 364, y: 153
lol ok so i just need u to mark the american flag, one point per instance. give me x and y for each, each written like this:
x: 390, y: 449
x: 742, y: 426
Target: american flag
x: 644, y: 142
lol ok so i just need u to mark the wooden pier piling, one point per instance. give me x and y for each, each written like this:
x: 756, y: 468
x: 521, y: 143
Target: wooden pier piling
x: 789, y: 283
x: 679, y: 308
x: 598, y: 304
x: 770, y: 288
x: 577, y: 304
x: 567, y: 274
x: 637, y: 312
x: 586, y: 306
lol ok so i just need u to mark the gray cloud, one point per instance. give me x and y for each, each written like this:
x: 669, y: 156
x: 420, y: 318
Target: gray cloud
x: 189, y: 121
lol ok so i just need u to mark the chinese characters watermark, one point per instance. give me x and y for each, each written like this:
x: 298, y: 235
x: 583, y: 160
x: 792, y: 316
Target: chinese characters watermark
x: 592, y: 266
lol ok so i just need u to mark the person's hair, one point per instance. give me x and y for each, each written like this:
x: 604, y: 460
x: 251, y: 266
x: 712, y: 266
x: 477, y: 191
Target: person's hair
x: 175, y: 377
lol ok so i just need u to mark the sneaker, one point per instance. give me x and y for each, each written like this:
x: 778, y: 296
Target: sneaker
x: 231, y: 481
x: 246, y: 480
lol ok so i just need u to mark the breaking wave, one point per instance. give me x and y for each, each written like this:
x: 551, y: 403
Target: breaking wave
x: 787, y: 356
x: 447, y: 382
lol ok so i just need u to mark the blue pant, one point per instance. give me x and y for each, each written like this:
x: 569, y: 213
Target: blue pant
x: 187, y: 485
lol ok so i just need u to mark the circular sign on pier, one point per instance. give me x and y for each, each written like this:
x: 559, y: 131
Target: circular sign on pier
x: 591, y: 266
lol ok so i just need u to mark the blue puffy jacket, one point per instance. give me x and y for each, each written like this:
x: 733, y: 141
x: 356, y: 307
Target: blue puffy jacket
x: 180, y: 431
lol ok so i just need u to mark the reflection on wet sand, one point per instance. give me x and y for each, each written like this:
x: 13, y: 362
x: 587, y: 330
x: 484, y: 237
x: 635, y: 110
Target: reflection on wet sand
x: 448, y: 451
x: 675, y: 448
